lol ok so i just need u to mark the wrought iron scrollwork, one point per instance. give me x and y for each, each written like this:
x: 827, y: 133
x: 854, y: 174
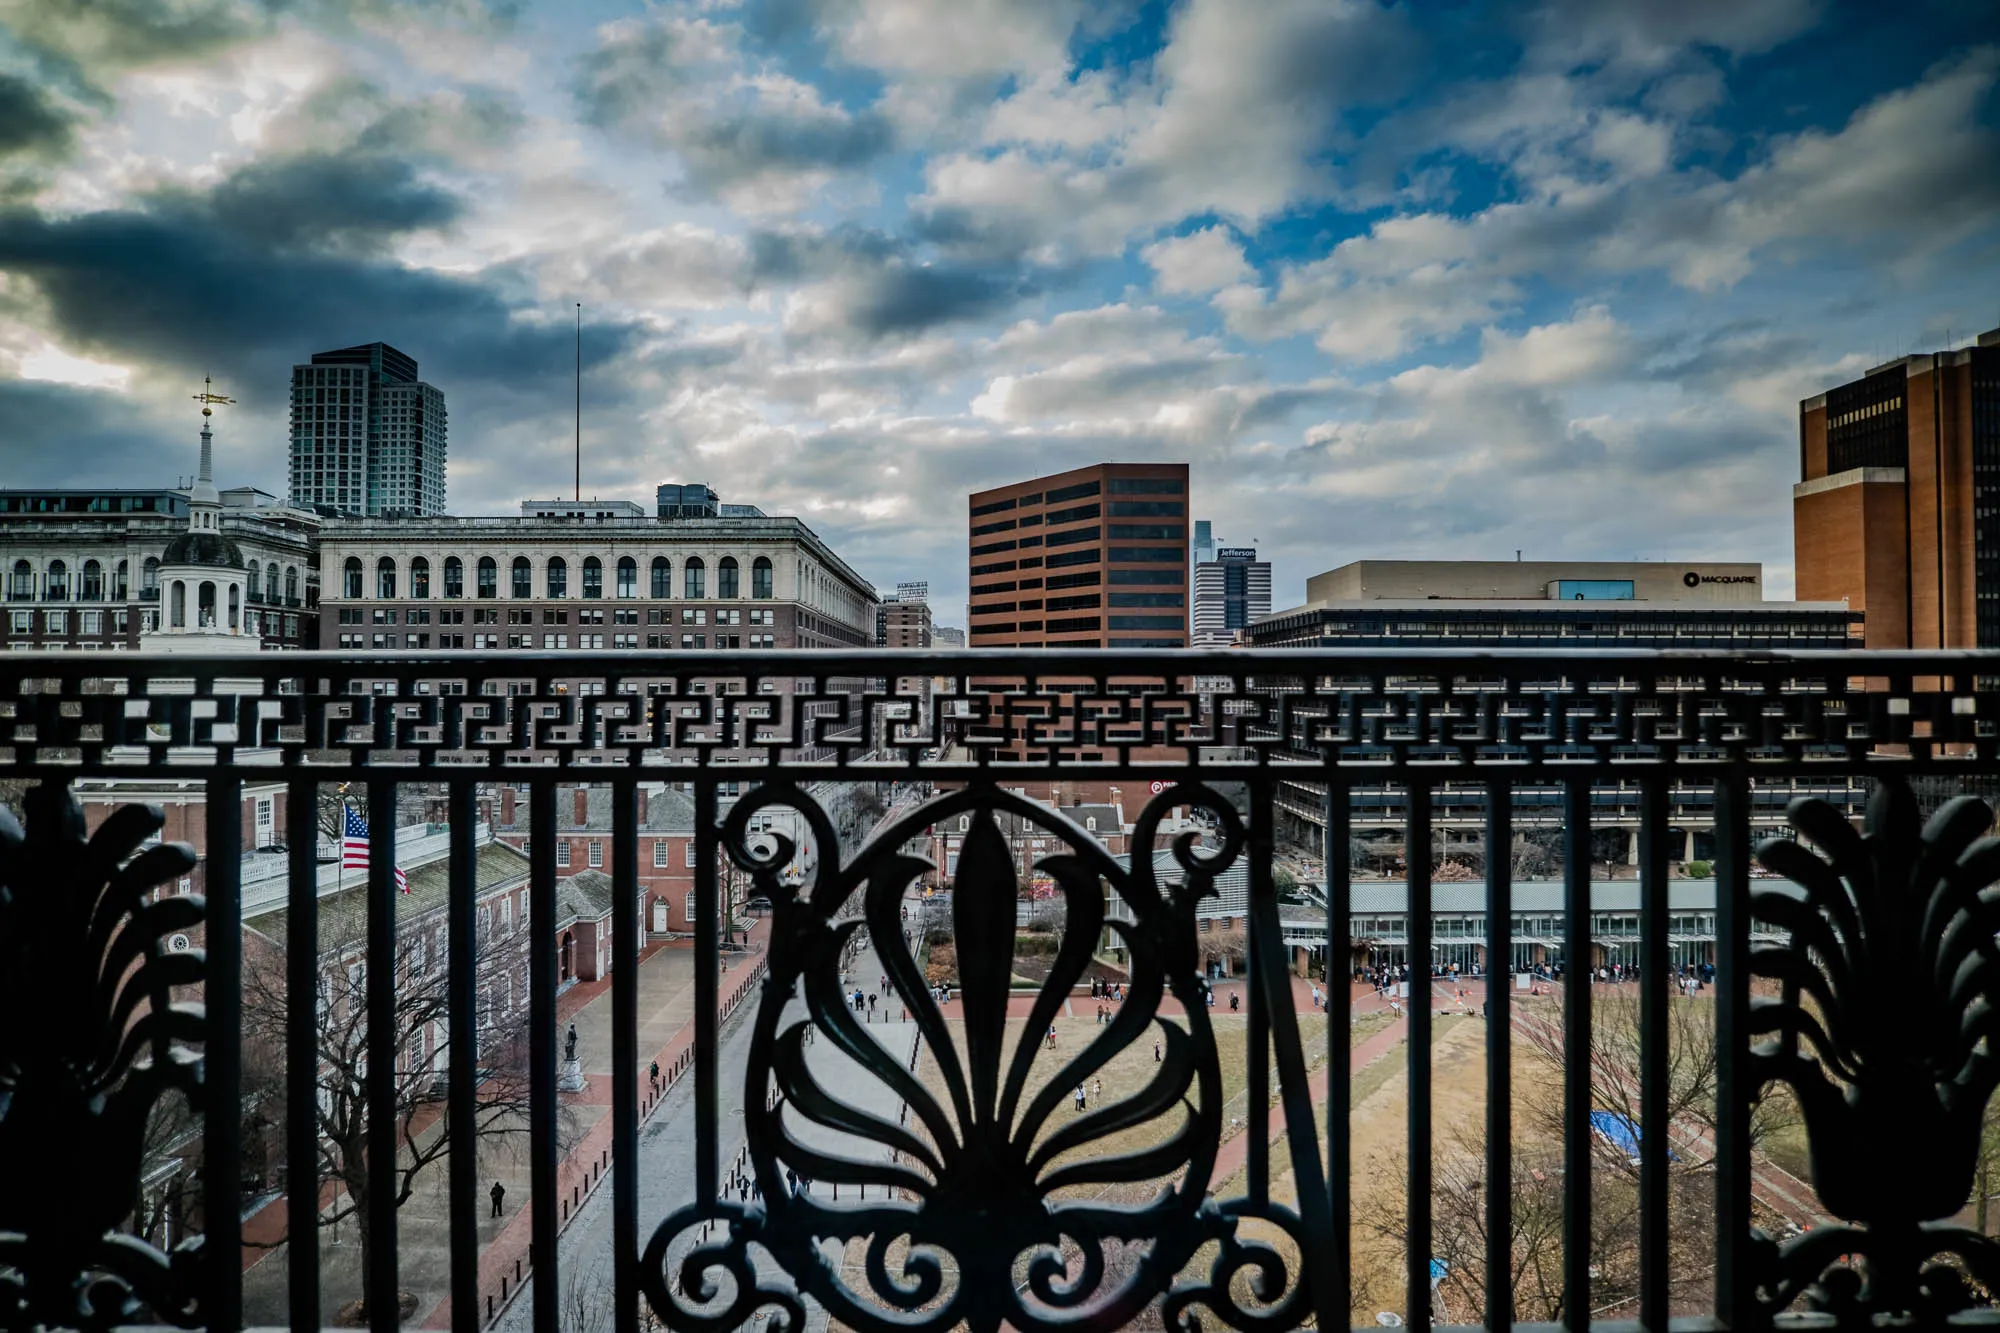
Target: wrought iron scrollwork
x: 1887, y: 1030
x: 983, y: 1210
x: 93, y: 1039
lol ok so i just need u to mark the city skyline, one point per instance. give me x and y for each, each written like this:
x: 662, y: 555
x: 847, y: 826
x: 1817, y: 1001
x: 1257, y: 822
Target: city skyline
x: 1486, y: 278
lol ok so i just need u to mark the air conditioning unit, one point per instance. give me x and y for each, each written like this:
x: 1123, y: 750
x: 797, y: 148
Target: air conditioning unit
x: 179, y: 943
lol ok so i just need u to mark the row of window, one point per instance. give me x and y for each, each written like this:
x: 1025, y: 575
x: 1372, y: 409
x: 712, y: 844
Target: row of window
x: 588, y: 642
x: 555, y: 577
x: 93, y: 583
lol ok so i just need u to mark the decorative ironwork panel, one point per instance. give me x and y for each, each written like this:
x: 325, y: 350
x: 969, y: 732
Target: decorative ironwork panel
x: 1885, y: 1030
x: 91, y: 1040
x: 987, y: 1208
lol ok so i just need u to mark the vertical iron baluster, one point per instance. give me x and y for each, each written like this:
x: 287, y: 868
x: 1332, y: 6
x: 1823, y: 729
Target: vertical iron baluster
x: 222, y: 1056
x: 625, y: 1054
x: 380, y: 1043
x: 1734, y: 1282
x: 1257, y: 1049
x: 1576, y: 1053
x: 462, y: 1036
x: 1417, y: 858
x: 302, y: 1053
x: 542, y: 835
x: 1339, y: 1040
x: 1270, y: 985
x: 1499, y: 1055
x: 707, y: 1091
x: 1654, y: 966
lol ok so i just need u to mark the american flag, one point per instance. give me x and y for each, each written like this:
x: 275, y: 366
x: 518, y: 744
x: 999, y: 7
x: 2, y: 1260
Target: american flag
x: 354, y: 847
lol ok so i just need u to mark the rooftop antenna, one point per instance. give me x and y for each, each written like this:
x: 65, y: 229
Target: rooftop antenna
x: 579, y: 401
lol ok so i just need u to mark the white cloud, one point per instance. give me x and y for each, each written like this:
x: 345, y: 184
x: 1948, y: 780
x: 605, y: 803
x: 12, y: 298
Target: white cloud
x: 1197, y: 264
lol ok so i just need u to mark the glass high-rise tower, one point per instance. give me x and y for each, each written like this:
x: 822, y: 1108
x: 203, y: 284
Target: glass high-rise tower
x: 368, y: 436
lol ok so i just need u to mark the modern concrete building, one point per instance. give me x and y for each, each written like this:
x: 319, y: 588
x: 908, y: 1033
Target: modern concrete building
x: 1092, y: 558
x: 903, y: 622
x: 1572, y: 604
x: 1231, y: 593
x: 947, y: 636
x: 368, y: 436
x: 1897, y: 509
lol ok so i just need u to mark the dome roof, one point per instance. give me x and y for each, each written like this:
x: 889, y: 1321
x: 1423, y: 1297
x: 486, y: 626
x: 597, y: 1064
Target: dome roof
x: 202, y: 548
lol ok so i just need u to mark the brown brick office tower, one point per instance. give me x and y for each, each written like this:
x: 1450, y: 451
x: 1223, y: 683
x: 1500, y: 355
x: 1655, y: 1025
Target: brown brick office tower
x: 1094, y: 558
x: 1898, y: 506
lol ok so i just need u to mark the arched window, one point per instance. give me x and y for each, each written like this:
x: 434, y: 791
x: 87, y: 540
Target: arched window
x: 725, y: 579
x: 628, y: 576
x: 385, y: 577
x: 93, y: 581
x: 350, y: 576
x: 121, y: 581
x: 149, y: 576
x: 593, y: 577
x: 420, y: 577
x: 177, y: 605
x: 693, y: 577
x: 205, y: 605
x: 558, y: 576
x: 235, y: 607
x: 253, y: 580
x: 663, y: 577
x: 291, y: 583
x: 271, y: 593
x: 454, y: 576
x: 760, y: 578
x: 58, y: 581
x: 524, y: 577
x: 22, y: 589
x: 489, y: 577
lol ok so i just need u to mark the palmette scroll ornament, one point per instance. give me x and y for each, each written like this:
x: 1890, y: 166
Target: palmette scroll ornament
x: 84, y: 953
x: 984, y: 1208
x: 1887, y: 1030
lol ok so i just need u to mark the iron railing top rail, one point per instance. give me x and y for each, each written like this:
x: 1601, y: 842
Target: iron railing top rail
x: 1434, y: 712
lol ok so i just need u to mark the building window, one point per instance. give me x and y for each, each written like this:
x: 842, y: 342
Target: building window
x: 725, y: 579
x: 58, y: 581
x: 558, y: 577
x: 93, y: 581
x: 121, y: 587
x: 760, y: 578
x: 596, y: 854
x: 22, y: 587
x: 687, y: 854
x: 663, y: 577
x: 91, y: 622
x: 454, y: 576
x: 628, y: 576
x: 489, y: 577
x: 693, y: 578
x: 593, y: 578
x: 58, y: 622
x: 659, y: 854
x: 523, y: 577
x: 420, y: 577
x: 562, y: 853
x: 385, y: 578
x: 350, y: 578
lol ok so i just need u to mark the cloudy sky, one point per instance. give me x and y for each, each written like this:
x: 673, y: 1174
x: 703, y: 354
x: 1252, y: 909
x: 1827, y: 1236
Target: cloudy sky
x: 1447, y: 280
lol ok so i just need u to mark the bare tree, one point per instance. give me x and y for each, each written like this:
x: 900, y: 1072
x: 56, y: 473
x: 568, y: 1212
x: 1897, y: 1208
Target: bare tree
x: 423, y: 1044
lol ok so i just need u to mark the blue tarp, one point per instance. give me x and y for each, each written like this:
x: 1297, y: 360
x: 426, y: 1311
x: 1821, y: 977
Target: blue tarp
x: 1621, y: 1133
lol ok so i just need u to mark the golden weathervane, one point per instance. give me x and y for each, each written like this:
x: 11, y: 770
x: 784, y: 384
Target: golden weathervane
x: 208, y: 396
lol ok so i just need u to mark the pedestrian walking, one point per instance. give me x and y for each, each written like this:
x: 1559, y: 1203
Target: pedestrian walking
x: 1079, y: 1097
x: 656, y: 1076
x: 1097, y: 1088
x: 499, y: 1195
x: 1052, y: 1036
x: 1156, y: 1050
x: 1232, y: 1001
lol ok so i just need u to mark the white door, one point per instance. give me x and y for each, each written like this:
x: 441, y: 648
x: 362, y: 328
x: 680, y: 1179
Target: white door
x: 659, y: 916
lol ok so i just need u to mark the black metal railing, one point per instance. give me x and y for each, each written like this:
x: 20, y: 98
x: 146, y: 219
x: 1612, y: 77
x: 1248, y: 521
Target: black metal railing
x: 1858, y: 982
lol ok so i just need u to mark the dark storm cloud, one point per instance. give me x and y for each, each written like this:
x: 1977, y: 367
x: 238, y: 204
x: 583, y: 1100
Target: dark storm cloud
x: 734, y: 148
x: 327, y: 199
x: 28, y: 119
x: 878, y: 285
x: 78, y: 43
x: 175, y: 287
